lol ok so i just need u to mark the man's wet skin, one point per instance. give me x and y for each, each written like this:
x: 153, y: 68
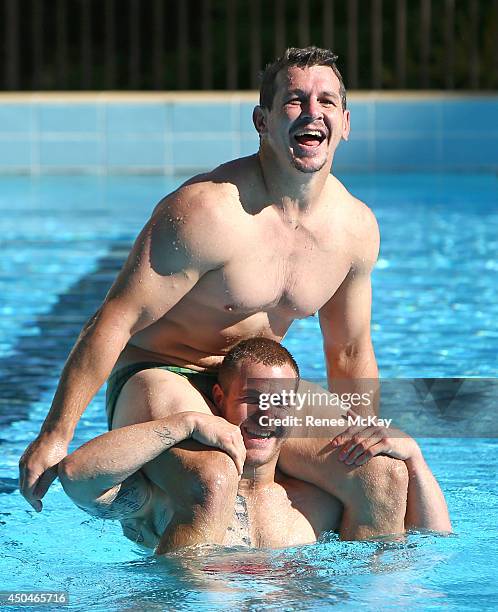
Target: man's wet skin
x: 228, y: 257
x: 239, y: 261
x: 236, y: 253
x: 270, y: 509
x: 246, y: 501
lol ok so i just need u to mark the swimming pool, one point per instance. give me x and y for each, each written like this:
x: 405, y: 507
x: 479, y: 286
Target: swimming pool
x: 435, y: 314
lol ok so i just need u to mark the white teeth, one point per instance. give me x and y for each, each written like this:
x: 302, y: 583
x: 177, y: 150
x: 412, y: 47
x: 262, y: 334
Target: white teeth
x: 259, y: 433
x: 309, y: 133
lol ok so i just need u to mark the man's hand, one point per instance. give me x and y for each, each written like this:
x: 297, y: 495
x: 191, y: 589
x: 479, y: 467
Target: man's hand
x: 218, y: 432
x: 359, y: 444
x: 38, y: 467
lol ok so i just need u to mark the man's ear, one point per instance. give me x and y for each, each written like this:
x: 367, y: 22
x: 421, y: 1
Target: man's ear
x: 346, y: 125
x: 218, y: 396
x: 259, y: 119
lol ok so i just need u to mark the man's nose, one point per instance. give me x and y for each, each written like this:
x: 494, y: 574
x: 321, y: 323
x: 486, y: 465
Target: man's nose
x: 255, y: 412
x: 312, y: 109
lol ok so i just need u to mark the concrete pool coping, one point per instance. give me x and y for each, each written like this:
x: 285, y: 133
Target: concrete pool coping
x: 224, y: 96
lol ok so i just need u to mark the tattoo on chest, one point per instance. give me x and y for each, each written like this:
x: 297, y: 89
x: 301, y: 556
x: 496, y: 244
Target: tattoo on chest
x: 166, y: 436
x: 241, y: 528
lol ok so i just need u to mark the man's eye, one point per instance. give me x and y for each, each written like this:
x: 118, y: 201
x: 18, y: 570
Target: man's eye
x: 328, y: 102
x: 294, y: 101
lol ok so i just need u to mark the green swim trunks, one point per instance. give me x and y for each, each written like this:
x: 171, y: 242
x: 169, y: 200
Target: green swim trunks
x: 202, y: 381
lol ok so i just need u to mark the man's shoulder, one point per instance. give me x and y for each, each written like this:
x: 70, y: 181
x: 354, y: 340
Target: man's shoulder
x: 320, y: 508
x: 203, y: 216
x: 352, y: 207
x: 198, y: 201
x: 358, y: 220
x: 212, y: 198
x: 299, y: 491
x: 147, y: 525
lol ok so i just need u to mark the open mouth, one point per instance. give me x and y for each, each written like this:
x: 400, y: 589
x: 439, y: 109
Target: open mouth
x: 258, y: 433
x: 252, y: 434
x: 309, y: 138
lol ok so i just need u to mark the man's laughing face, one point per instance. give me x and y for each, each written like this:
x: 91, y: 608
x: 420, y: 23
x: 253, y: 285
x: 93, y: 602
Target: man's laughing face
x: 306, y: 121
x: 240, y: 405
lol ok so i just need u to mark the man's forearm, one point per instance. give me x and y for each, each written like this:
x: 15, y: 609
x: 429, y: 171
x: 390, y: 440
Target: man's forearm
x: 87, y: 368
x: 112, y: 457
x: 355, y: 372
x: 426, y: 506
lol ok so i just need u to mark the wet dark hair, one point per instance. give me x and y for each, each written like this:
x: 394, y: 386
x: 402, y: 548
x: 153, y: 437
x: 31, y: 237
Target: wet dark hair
x: 302, y: 58
x: 257, y: 350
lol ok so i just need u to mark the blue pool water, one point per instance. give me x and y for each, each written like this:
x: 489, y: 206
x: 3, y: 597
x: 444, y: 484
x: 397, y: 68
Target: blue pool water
x: 435, y: 314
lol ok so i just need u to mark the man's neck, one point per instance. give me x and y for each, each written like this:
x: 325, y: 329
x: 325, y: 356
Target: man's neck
x: 257, y: 477
x: 295, y: 192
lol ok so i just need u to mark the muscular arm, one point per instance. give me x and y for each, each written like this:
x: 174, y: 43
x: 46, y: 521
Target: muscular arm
x: 166, y: 261
x: 102, y: 475
x: 168, y: 258
x: 345, y: 320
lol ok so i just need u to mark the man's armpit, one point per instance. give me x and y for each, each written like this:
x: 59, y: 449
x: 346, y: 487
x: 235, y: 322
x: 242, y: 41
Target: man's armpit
x: 124, y: 500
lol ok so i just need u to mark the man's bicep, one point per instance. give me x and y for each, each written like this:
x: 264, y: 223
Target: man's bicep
x: 130, y: 498
x: 345, y: 318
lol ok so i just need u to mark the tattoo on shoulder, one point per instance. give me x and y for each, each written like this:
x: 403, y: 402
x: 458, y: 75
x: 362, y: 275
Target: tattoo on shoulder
x: 165, y: 434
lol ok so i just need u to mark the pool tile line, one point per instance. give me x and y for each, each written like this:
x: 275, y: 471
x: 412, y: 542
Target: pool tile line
x: 170, y: 135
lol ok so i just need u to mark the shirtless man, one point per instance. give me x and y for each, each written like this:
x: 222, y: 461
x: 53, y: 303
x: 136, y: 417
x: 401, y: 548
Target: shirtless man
x: 267, y: 509
x: 239, y: 252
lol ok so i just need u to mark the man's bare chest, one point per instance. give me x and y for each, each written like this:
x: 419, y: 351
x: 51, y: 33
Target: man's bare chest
x: 269, y: 521
x: 295, y: 279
